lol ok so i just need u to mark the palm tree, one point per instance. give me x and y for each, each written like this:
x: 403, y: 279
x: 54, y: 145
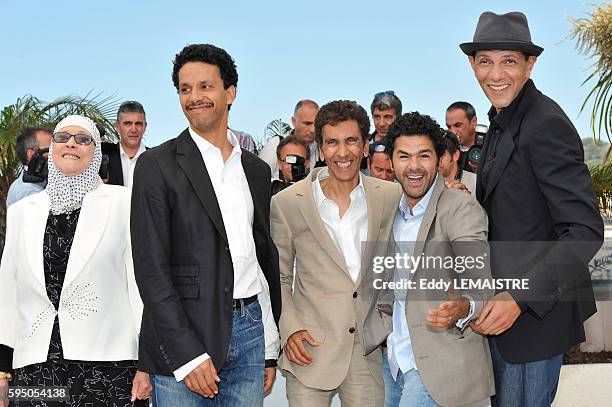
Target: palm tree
x: 593, y: 36
x: 31, y: 111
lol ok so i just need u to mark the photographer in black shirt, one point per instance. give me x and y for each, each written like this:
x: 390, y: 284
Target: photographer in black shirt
x: 293, y: 161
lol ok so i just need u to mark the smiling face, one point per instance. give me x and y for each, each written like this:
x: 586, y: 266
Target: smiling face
x: 203, y: 98
x: 501, y: 74
x: 342, y: 149
x: 72, y: 158
x: 416, y: 165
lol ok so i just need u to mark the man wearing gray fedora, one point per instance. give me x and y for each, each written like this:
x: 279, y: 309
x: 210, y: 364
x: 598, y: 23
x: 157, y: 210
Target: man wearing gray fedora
x: 538, y: 194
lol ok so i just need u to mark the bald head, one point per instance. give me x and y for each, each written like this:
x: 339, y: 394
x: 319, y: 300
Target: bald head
x: 303, y: 119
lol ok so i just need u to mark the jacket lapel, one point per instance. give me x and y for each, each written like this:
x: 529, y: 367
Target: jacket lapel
x: 90, y: 228
x: 308, y: 208
x: 35, y: 223
x: 376, y: 203
x: 191, y: 162
x: 504, y: 149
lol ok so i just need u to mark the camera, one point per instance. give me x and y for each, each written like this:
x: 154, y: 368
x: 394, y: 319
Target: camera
x: 38, y: 170
x: 470, y: 159
x: 298, y: 167
x: 298, y: 173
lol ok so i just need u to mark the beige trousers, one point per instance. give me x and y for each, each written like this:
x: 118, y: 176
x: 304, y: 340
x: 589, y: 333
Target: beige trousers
x: 358, y: 389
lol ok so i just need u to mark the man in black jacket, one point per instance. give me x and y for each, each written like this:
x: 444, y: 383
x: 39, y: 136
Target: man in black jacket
x: 131, y: 125
x: 205, y: 263
x: 538, y: 194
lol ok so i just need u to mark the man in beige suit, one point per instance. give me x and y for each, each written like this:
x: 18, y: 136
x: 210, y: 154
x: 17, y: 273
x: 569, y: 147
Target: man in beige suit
x: 433, y: 357
x: 321, y: 224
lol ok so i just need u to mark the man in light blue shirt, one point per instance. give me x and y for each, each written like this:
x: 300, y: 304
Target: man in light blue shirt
x: 418, y: 357
x: 29, y: 141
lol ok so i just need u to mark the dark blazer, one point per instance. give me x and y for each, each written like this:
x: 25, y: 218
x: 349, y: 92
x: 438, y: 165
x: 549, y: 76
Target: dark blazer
x: 115, y: 172
x: 537, y: 189
x: 181, y: 255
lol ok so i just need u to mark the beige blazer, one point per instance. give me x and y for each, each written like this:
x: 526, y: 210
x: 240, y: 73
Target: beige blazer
x: 324, y: 299
x: 455, y: 366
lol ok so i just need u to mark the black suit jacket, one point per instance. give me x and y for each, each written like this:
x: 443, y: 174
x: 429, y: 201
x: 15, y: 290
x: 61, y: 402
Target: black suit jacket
x: 181, y: 255
x: 537, y: 189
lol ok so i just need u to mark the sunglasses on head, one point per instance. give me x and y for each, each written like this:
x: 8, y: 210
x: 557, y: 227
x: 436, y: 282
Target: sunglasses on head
x: 377, y: 148
x: 381, y: 94
x: 63, y: 137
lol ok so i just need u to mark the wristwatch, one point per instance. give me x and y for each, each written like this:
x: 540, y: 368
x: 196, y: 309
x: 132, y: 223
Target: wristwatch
x: 6, y: 375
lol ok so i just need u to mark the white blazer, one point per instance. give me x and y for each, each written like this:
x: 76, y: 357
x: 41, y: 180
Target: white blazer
x: 100, y: 309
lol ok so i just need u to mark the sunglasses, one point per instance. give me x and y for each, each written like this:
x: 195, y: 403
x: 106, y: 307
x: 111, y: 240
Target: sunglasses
x: 381, y: 94
x: 377, y: 148
x: 63, y: 137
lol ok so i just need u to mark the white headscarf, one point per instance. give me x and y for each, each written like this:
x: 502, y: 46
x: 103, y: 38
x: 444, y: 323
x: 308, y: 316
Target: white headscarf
x: 66, y: 193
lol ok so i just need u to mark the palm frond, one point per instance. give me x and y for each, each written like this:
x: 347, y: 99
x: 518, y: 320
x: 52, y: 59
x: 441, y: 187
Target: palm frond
x: 276, y: 127
x: 593, y: 35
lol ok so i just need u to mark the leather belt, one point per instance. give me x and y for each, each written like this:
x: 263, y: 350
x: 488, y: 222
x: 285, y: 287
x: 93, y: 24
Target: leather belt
x: 245, y: 301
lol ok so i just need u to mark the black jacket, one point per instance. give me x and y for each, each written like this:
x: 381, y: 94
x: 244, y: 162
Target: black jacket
x: 535, y: 187
x: 181, y: 255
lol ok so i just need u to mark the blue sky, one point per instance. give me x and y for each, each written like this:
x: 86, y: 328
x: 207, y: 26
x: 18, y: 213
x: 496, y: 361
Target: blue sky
x: 284, y: 51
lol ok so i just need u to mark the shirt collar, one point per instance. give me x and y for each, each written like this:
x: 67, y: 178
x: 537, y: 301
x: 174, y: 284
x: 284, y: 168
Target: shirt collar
x: 320, y: 196
x: 204, y: 145
x: 421, y: 206
x: 503, y: 118
x: 141, y: 149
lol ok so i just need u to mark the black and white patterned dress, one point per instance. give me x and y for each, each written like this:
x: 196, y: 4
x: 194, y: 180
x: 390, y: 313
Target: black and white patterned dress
x: 91, y: 384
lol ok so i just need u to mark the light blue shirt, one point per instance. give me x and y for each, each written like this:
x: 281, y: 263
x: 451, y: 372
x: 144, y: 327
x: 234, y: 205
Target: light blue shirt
x: 19, y: 189
x: 406, y: 227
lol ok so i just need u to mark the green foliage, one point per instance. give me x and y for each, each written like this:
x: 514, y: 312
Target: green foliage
x: 602, y: 184
x: 593, y: 35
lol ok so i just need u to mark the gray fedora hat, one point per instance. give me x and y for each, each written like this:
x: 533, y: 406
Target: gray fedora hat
x: 508, y: 31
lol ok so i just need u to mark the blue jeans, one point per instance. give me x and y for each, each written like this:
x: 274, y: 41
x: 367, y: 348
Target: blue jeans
x: 407, y: 391
x: 532, y: 384
x: 242, y: 374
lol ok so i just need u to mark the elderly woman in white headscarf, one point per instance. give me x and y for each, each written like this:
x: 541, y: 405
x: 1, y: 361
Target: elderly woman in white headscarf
x: 70, y: 310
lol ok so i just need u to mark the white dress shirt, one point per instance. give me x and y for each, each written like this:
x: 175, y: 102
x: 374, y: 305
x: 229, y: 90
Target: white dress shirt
x: 236, y: 205
x: 348, y: 231
x: 128, y: 164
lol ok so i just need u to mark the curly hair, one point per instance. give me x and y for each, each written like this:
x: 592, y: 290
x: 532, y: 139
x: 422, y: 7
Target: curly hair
x: 340, y: 111
x: 208, y: 54
x: 416, y: 124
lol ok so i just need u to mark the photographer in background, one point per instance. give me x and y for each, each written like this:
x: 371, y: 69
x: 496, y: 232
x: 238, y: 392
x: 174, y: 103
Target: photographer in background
x: 461, y: 120
x: 293, y: 162
x: 379, y: 164
x: 449, y: 166
x: 32, y: 147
